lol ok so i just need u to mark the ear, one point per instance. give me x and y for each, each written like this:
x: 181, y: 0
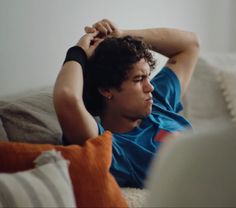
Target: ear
x: 105, y: 92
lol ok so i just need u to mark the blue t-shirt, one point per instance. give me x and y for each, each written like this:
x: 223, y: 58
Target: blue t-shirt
x: 133, y: 151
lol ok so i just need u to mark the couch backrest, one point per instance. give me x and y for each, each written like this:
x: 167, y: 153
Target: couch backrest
x: 204, y: 102
x: 30, y: 118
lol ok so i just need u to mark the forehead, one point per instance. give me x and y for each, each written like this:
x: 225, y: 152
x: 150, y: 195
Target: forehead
x: 141, y: 67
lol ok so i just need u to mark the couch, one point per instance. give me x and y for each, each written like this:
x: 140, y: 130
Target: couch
x: 211, y: 100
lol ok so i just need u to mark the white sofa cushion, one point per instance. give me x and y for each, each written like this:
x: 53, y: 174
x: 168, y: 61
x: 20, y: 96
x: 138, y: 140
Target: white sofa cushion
x: 135, y: 197
x: 227, y: 79
x: 204, y: 102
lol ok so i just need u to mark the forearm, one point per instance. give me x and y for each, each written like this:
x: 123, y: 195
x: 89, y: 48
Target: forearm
x: 166, y: 41
x: 76, y: 123
x: 69, y: 83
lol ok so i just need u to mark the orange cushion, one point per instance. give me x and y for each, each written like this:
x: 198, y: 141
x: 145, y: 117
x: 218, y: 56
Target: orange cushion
x: 93, y: 184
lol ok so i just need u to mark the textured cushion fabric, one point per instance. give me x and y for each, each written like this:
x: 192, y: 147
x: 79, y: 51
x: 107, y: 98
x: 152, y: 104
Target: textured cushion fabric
x: 93, y: 184
x: 204, y: 102
x: 31, y: 118
x: 135, y: 196
x: 3, y: 134
x: 48, y: 185
x: 227, y: 79
x: 2, y: 103
x: 220, y: 59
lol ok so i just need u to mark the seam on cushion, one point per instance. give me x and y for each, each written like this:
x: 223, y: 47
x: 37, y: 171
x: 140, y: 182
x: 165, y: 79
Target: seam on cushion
x: 3, y: 128
x: 226, y: 94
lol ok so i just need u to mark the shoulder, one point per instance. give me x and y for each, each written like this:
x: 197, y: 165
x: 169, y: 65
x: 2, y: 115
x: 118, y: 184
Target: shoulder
x: 166, y: 80
x: 167, y: 90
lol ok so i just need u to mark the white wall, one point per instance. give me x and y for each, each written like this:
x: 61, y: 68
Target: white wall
x: 35, y: 34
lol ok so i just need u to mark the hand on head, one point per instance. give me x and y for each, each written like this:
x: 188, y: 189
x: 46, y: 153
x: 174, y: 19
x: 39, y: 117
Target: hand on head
x: 105, y: 28
x: 89, y: 42
x: 96, y: 34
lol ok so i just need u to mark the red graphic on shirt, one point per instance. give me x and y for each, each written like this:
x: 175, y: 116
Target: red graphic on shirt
x: 163, y: 134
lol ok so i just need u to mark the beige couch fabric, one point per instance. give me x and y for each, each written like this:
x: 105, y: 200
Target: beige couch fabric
x: 31, y: 118
x: 227, y: 79
x: 3, y: 134
x: 204, y: 102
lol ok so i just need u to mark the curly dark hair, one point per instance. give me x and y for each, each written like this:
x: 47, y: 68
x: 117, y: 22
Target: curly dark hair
x: 109, y: 66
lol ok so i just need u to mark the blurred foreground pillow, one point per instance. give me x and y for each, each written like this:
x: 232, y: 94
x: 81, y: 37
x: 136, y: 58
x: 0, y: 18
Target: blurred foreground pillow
x: 93, y: 184
x: 47, y: 185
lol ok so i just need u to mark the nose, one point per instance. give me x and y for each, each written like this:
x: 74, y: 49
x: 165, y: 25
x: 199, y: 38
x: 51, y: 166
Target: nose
x: 148, y: 87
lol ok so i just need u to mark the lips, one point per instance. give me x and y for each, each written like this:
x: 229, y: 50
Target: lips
x: 149, y: 100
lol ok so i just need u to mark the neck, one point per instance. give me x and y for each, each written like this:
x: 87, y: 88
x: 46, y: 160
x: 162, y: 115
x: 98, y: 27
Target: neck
x: 119, y: 124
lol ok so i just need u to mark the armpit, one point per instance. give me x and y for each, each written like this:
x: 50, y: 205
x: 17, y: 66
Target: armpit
x: 172, y: 61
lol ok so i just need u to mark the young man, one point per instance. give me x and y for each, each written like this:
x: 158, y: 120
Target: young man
x: 139, y: 113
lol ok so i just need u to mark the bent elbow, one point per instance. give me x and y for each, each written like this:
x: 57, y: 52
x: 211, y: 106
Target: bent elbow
x: 195, y: 43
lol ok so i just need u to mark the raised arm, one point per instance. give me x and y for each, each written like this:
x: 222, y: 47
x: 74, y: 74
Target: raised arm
x: 76, y: 122
x: 181, y: 47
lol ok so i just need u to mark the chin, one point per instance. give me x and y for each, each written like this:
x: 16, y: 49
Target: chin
x: 147, y: 114
x: 144, y: 114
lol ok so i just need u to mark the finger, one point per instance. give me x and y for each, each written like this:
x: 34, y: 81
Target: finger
x: 89, y: 29
x: 86, y: 39
x: 108, y: 25
x: 96, y: 43
x: 91, y: 36
x: 108, y: 28
x: 97, y: 39
x: 94, y: 34
x: 111, y: 25
x: 100, y: 27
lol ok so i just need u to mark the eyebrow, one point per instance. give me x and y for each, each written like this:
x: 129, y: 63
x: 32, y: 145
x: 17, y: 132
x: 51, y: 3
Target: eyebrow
x: 141, y: 75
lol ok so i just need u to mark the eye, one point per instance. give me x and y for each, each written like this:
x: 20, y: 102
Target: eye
x: 139, y: 79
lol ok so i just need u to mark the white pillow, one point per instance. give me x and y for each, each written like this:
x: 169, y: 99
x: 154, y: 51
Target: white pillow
x: 227, y: 79
x: 203, y: 101
x: 135, y: 196
x: 48, y: 185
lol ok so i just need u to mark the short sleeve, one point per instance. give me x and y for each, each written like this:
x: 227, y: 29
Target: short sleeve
x: 101, y: 130
x: 167, y: 90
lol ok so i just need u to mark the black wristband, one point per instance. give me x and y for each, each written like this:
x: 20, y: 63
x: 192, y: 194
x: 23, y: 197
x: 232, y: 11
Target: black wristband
x: 77, y: 54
